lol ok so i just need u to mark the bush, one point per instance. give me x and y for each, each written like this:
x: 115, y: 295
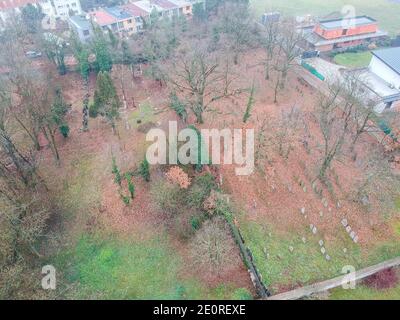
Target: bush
x: 200, y: 190
x: 195, y: 222
x: 125, y: 199
x: 131, y: 186
x: 144, y: 170
x: 93, y: 112
x: 116, y: 172
x: 382, y: 280
x: 178, y: 106
x: 213, y: 246
x: 168, y: 197
x: 64, y: 130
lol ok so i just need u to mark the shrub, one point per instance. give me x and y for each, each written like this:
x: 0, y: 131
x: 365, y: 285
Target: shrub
x: 195, y: 222
x: 178, y: 176
x: 64, y: 130
x: 144, y: 170
x: 125, y: 199
x: 131, y: 186
x: 382, y: 280
x: 116, y: 172
x: 213, y: 246
x: 201, y: 190
x: 178, y: 106
x: 168, y: 197
x: 93, y: 112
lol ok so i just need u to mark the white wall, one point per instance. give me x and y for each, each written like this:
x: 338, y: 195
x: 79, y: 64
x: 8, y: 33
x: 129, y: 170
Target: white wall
x: 385, y: 72
x: 62, y: 8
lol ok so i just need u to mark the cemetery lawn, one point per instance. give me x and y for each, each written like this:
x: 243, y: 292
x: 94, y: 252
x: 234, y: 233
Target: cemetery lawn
x: 283, y: 269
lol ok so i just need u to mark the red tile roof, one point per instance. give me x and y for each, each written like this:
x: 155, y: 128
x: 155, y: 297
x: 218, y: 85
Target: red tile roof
x: 103, y: 18
x: 12, y: 4
x: 135, y: 10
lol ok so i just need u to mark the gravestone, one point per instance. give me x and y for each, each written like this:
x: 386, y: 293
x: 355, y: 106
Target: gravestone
x: 321, y: 243
x: 348, y: 229
x: 344, y: 223
x: 323, y: 250
x: 314, y: 230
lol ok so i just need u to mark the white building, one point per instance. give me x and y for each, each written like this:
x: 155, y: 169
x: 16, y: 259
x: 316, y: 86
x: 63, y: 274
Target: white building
x: 61, y: 9
x: 55, y: 9
x: 385, y: 63
x: 382, y: 78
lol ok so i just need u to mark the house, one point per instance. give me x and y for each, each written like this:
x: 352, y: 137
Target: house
x: 138, y: 14
x: 116, y: 19
x: 339, y: 34
x: 185, y: 7
x: 82, y: 27
x: 166, y: 8
x: 61, y: 9
x: 382, y: 79
x: 58, y: 9
x: 9, y: 8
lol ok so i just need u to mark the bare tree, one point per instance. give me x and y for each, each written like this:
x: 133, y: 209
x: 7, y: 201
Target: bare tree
x: 379, y: 182
x: 198, y: 73
x: 213, y: 245
x: 269, y: 43
x: 238, y: 26
x: 335, y: 119
x: 285, y: 130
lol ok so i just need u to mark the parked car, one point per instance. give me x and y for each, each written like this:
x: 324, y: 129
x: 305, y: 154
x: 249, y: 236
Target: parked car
x: 33, y: 54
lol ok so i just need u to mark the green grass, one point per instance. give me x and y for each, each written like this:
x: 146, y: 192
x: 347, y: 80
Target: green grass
x: 306, y: 264
x: 109, y: 268
x: 122, y: 269
x: 354, y: 60
x: 365, y: 293
x: 145, y: 113
x: 386, y: 12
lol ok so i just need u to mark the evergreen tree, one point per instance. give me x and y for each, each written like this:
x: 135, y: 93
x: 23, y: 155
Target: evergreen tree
x: 106, y: 101
x: 100, y: 48
x: 250, y: 104
x: 144, y: 170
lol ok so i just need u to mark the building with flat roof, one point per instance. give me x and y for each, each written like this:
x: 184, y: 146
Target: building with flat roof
x: 82, y: 27
x: 57, y: 9
x: 382, y: 79
x: 116, y: 19
x: 337, y: 34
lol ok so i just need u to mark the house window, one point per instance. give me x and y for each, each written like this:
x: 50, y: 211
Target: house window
x: 344, y: 32
x: 130, y: 21
x: 73, y: 4
x: 187, y: 8
x: 138, y: 20
x: 86, y: 32
x: 120, y: 24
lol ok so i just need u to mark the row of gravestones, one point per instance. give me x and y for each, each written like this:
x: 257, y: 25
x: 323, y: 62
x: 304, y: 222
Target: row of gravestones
x: 314, y: 231
x: 349, y: 230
